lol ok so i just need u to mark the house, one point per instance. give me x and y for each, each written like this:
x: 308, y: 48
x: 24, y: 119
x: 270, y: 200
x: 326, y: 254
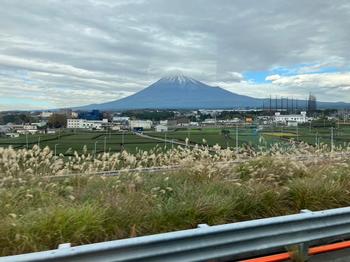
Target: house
x: 140, y: 124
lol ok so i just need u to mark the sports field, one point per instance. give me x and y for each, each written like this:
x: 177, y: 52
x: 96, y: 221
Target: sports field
x: 66, y: 142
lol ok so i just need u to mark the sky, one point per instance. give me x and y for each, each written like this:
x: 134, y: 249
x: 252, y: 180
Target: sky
x: 66, y: 53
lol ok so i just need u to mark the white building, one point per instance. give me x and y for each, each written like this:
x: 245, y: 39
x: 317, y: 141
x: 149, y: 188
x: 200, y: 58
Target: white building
x: 50, y: 131
x: 194, y: 124
x: 209, y: 121
x: 144, y: 124
x: 121, y: 119
x: 291, y: 120
x: 28, y: 129
x: 86, y: 124
x: 75, y: 123
x: 12, y: 135
x: 161, y: 128
x: 46, y: 114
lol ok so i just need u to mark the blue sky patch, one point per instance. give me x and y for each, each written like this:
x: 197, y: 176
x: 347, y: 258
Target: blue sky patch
x: 258, y: 77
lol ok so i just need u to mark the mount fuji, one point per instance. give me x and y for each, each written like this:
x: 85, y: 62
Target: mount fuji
x: 182, y: 92
x: 179, y: 92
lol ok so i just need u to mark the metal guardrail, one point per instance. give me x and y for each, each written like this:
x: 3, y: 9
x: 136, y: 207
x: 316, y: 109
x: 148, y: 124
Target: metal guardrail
x: 223, y: 242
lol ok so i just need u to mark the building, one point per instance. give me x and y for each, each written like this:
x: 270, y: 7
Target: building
x: 168, y: 122
x: 93, y: 115
x: 209, y: 121
x: 12, y: 135
x: 75, y: 123
x: 140, y: 124
x: 183, y: 121
x: 161, y: 128
x: 87, y: 124
x: 50, y: 131
x: 46, y: 114
x: 121, y: 119
x: 74, y: 115
x: 291, y: 120
x: 312, y: 104
x: 28, y: 129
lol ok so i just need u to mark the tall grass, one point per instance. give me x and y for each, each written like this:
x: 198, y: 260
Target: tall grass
x: 39, y: 209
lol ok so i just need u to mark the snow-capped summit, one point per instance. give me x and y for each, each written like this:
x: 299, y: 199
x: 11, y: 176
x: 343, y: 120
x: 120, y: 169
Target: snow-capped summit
x: 178, y: 78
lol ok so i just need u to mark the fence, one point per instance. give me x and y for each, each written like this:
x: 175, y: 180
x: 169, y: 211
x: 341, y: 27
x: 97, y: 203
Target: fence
x: 223, y: 242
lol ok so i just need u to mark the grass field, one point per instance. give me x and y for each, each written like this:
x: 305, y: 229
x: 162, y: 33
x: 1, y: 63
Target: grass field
x: 39, y: 212
x: 68, y: 142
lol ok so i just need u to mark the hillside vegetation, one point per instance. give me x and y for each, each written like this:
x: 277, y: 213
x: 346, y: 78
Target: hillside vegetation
x: 47, y: 200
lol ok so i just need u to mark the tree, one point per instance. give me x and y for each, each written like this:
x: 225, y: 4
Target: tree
x: 57, y: 121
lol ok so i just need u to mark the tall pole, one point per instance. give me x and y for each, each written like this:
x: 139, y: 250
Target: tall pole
x: 297, y: 132
x: 165, y: 139
x: 104, y: 144
x: 95, y: 148
x: 276, y: 104
x: 123, y: 137
x: 332, y: 139
x: 56, y: 149
x: 39, y: 141
x: 236, y: 139
x: 27, y: 140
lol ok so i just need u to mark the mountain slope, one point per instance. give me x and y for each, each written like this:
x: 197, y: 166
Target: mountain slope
x: 179, y: 92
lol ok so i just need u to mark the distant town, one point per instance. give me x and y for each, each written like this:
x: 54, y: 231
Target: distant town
x: 14, y: 124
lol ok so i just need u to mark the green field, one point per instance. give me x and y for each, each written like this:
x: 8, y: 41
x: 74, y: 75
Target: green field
x: 67, y: 142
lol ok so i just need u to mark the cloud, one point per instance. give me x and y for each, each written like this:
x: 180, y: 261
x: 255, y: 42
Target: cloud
x: 80, y: 52
x: 325, y: 80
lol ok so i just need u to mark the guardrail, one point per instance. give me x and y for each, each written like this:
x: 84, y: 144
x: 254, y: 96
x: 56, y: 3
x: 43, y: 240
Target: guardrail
x: 223, y: 242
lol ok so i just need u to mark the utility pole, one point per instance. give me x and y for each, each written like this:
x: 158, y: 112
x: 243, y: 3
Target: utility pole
x: 297, y: 132
x: 39, y: 141
x: 104, y: 144
x: 276, y: 106
x: 236, y: 139
x: 165, y: 139
x: 332, y: 139
x: 270, y: 105
x: 95, y: 148
x: 56, y: 149
x: 27, y: 140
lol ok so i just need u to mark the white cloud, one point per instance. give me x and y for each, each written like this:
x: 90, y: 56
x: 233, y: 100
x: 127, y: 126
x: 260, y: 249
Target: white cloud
x: 321, y: 80
x: 104, y: 49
